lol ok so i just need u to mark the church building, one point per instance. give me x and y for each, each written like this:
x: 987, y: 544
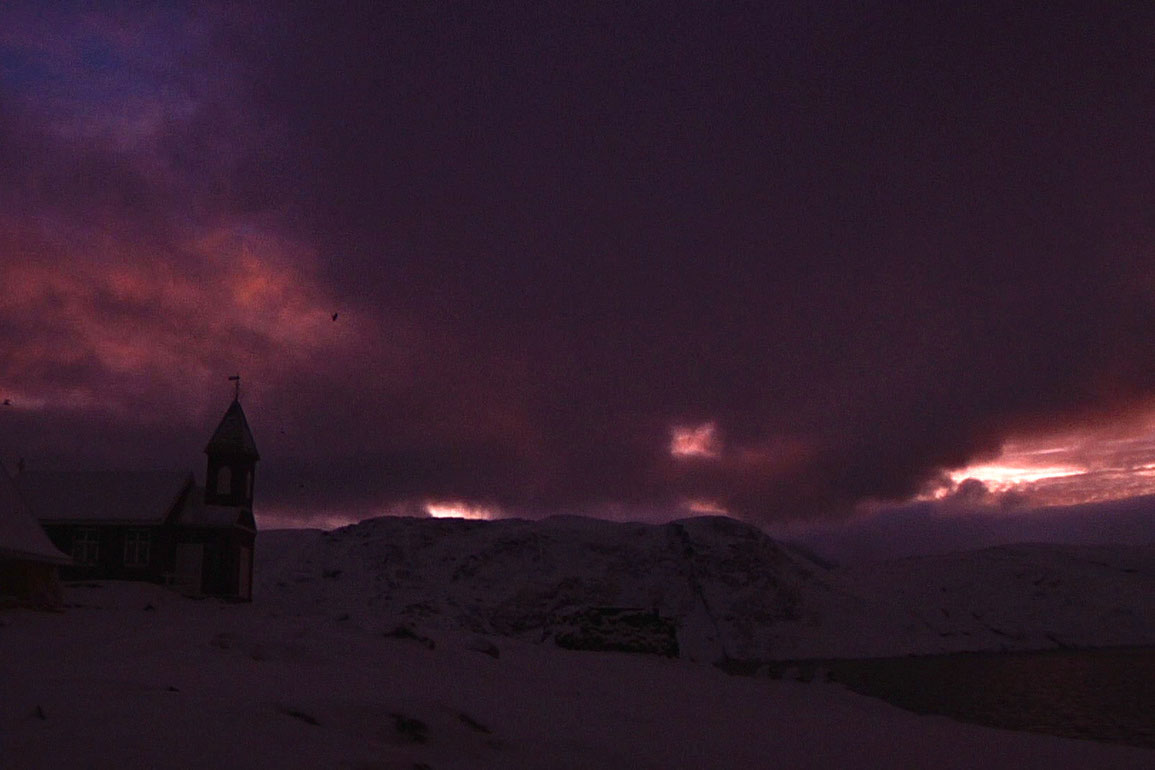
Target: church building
x: 159, y: 527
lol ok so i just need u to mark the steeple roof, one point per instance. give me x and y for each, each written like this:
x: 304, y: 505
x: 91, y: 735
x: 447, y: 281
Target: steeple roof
x: 232, y: 436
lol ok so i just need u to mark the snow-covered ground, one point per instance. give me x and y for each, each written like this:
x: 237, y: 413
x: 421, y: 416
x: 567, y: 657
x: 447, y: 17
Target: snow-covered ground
x: 139, y: 678
x: 316, y: 674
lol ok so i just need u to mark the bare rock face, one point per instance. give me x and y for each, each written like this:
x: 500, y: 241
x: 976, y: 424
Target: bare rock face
x: 617, y: 629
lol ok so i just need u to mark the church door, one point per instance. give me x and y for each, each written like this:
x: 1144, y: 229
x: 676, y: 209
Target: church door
x: 190, y: 561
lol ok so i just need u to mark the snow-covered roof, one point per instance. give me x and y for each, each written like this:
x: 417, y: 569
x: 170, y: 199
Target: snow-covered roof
x: 21, y: 536
x: 233, y: 436
x: 144, y: 497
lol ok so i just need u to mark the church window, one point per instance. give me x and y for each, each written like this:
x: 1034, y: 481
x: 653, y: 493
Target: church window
x: 137, y: 547
x: 86, y: 545
x: 225, y: 481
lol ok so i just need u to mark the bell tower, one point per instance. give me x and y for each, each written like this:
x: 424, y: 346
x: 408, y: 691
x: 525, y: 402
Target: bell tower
x: 232, y: 460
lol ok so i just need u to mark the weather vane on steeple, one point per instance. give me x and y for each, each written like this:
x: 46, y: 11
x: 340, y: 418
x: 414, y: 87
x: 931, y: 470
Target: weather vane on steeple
x: 236, y: 380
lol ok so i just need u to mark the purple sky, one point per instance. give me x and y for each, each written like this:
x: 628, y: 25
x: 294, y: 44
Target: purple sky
x: 829, y: 254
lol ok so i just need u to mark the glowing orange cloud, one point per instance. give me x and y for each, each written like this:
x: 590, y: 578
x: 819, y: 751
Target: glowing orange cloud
x: 1109, y: 462
x: 999, y: 477
x: 695, y: 441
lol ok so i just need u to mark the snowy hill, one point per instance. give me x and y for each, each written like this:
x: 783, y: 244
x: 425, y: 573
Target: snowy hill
x: 1024, y: 596
x: 731, y: 591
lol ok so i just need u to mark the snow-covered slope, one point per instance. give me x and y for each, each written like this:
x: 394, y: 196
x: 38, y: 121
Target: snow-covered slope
x: 732, y: 591
x: 1023, y: 596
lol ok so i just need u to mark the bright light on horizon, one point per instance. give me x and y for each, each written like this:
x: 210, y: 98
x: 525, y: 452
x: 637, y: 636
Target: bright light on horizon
x: 458, y: 510
x: 999, y: 477
x: 707, y: 507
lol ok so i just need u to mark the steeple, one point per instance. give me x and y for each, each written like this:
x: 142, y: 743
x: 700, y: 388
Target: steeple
x: 232, y: 458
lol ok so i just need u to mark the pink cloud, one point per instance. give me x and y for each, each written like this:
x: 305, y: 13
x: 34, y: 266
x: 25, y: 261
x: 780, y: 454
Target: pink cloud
x: 230, y: 298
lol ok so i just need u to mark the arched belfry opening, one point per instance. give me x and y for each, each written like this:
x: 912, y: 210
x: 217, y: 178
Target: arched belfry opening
x: 224, y: 481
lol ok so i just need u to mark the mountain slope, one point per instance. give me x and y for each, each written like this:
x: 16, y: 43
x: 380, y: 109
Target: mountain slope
x: 733, y: 591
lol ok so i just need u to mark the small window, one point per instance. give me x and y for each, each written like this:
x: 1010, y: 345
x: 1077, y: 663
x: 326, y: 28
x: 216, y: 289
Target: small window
x: 86, y: 545
x: 137, y: 547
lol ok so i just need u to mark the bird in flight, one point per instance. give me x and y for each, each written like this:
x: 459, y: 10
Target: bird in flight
x: 335, y: 316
